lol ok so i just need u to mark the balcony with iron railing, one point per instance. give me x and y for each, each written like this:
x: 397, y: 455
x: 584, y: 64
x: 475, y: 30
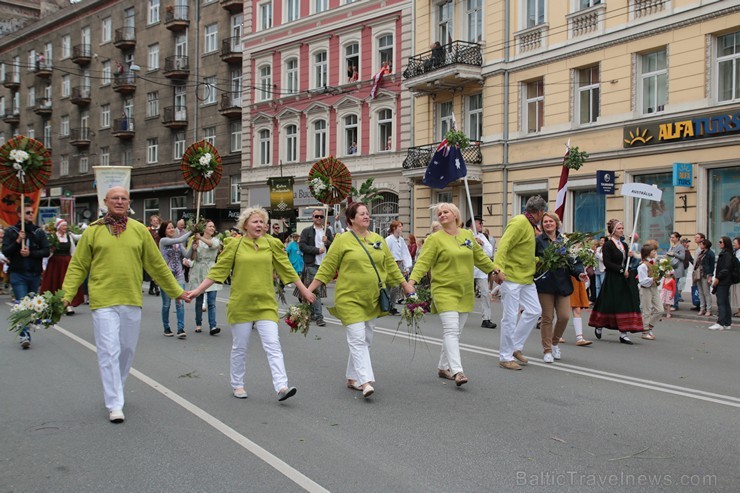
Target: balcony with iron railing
x: 11, y: 80
x: 175, y: 117
x: 125, y: 38
x: 419, y: 156
x: 43, y: 69
x: 233, y: 6
x: 42, y: 106
x: 231, y: 105
x: 12, y: 116
x: 176, y: 17
x: 176, y: 67
x: 81, y: 54
x: 80, y: 95
x: 80, y: 137
x: 445, y: 67
x: 124, y: 83
x: 123, y: 128
x: 231, y: 50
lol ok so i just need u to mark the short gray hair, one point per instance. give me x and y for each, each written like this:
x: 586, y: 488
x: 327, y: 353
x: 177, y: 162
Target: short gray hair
x: 535, y: 204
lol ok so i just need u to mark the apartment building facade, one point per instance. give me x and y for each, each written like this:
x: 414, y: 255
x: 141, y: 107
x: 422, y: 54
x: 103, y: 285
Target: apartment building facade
x: 309, y: 69
x: 120, y: 82
x: 649, y: 88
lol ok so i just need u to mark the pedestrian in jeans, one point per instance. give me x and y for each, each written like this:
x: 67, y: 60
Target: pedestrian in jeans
x: 314, y: 243
x: 25, y: 250
x: 677, y: 254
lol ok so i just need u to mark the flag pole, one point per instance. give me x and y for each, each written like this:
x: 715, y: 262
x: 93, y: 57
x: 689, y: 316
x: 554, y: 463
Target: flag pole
x: 634, y: 229
x: 470, y: 205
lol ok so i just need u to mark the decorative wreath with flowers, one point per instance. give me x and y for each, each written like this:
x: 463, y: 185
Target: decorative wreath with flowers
x: 25, y: 164
x: 201, y: 166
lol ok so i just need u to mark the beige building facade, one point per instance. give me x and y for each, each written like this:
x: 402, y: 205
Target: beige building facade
x: 643, y: 86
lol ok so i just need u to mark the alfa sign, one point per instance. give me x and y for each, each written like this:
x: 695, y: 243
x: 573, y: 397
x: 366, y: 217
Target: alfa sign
x: 669, y: 131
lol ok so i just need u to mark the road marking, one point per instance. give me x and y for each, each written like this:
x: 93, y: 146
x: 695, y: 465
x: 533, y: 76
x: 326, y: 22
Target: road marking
x: 289, y: 472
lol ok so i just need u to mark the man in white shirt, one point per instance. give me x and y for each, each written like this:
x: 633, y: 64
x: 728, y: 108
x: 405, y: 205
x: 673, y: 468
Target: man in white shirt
x: 314, y: 243
x: 400, y: 250
x: 481, y: 279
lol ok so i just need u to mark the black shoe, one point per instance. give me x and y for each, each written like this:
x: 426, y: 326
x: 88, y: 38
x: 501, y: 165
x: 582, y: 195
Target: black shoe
x: 151, y: 292
x: 393, y: 311
x: 487, y: 324
x: 625, y: 340
x: 320, y: 322
x: 168, y: 333
x: 214, y: 331
x: 597, y: 333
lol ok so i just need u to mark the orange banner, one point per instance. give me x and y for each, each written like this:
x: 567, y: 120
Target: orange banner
x: 9, y: 202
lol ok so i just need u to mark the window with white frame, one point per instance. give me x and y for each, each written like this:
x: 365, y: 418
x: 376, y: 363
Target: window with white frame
x: 321, y: 69
x: 587, y: 92
x: 352, y: 61
x: 209, y: 90
x: 319, y: 139
x: 64, y: 165
x: 291, y: 144
x: 728, y: 67
x: 65, y: 86
x: 587, y: 4
x: 292, y: 10
x: 31, y: 59
x: 535, y: 12
x: 84, y: 164
x: 291, y: 76
x: 2, y: 104
x: 235, y: 194
x: 177, y: 207
x: 152, y: 104
x: 48, y: 53
x: 31, y: 132
x: 64, y: 126
x: 104, y: 156
x: 534, y: 106
x: 151, y: 207
x: 31, y: 96
x: 445, y: 15
x: 236, y: 86
x: 235, y: 131
x: 209, y: 134
x: 153, y: 12
x: 178, y: 145
x: 47, y: 134
x: 47, y: 94
x: 654, y: 81
x: 265, y: 82
x: 211, y: 38
x: 264, y: 137
x: 385, y: 130
x: 209, y: 197
x: 153, y: 56
x: 152, y: 150
x: 106, y: 29
x: 265, y: 15
x: 385, y: 49
x: 107, y: 75
x: 66, y: 46
x: 475, y: 117
x: 351, y: 133
x: 445, y: 118
x: 180, y: 98
x: 127, y: 155
x: 320, y: 5
x: 104, y: 115
x: 474, y: 13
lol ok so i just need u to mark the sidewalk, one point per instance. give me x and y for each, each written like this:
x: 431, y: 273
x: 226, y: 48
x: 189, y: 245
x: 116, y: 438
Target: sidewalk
x: 685, y: 312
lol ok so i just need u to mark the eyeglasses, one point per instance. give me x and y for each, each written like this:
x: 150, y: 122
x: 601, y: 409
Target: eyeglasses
x: 276, y: 227
x: 318, y: 217
x: 29, y: 213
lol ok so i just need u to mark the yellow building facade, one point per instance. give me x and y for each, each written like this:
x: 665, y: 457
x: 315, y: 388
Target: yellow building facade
x: 649, y: 88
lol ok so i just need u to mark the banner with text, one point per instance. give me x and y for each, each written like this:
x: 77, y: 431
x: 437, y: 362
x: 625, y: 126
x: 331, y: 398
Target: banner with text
x: 281, y: 196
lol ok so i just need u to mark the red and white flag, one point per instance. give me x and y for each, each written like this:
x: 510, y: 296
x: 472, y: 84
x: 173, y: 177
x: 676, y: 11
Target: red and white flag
x: 563, y: 185
x: 377, y: 78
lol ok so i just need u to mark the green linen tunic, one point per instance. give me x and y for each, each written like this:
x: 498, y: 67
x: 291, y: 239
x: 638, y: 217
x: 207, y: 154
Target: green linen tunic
x: 451, y: 264
x: 252, y: 295
x: 116, y: 265
x: 516, y: 251
x: 357, y: 291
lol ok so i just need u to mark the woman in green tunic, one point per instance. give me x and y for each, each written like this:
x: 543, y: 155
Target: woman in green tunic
x: 357, y: 291
x: 450, y: 255
x: 252, y: 304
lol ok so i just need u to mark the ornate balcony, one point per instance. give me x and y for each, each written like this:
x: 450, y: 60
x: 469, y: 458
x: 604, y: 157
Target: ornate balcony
x: 80, y: 95
x: 444, y: 68
x: 419, y: 156
x: 123, y: 128
x: 125, y: 38
x: 231, y: 50
x: 175, y: 117
x: 587, y: 22
x: 125, y: 83
x: 645, y: 8
x: 531, y: 39
x: 12, y: 81
x: 42, y: 107
x: 176, y: 17
x: 12, y: 117
x: 43, y: 69
x: 176, y: 67
x: 81, y: 54
x: 232, y: 5
x: 231, y: 105
x: 80, y: 137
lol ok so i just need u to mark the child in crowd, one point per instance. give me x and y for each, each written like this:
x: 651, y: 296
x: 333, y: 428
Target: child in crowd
x: 667, y: 291
x: 650, y: 299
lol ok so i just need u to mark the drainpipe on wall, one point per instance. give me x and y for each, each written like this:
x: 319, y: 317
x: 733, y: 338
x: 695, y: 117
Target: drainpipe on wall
x: 507, y: 33
x: 196, y: 66
x: 411, y: 112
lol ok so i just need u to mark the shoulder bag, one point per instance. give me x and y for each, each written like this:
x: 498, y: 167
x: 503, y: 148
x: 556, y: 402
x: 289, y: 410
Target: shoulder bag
x: 384, y: 299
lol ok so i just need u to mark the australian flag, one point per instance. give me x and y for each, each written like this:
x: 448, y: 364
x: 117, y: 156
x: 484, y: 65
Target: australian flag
x: 446, y: 166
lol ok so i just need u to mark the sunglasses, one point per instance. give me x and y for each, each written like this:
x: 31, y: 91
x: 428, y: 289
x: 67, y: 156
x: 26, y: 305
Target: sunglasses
x: 29, y: 213
x: 318, y: 217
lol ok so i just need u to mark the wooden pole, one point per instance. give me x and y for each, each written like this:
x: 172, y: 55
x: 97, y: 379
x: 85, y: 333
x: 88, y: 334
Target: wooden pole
x: 197, y: 209
x: 23, y: 212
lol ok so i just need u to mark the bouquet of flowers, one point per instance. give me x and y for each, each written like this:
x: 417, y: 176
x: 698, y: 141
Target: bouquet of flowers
x: 414, y: 309
x: 658, y: 270
x: 298, y: 318
x: 204, y: 161
x: 196, y: 227
x: 564, y: 252
x: 37, y: 310
x: 321, y: 187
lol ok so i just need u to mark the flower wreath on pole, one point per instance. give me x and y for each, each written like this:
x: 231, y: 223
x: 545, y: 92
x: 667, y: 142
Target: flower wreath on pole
x: 25, y: 164
x: 202, y: 170
x: 329, y: 181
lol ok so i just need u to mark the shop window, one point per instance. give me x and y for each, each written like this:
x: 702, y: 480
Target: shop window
x: 656, y: 218
x: 589, y: 211
x: 724, y: 203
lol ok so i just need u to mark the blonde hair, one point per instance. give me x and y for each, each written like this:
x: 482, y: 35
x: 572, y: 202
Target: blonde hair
x: 249, y: 212
x: 453, y: 208
x: 435, y: 226
x: 554, y: 217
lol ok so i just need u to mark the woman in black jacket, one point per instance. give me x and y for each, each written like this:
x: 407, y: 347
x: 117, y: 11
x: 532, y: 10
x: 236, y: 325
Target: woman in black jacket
x: 722, y: 284
x: 554, y: 289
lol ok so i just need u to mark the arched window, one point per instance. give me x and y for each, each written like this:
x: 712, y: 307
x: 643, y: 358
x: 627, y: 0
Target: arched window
x: 321, y: 69
x: 291, y: 76
x: 383, y: 212
x: 265, y: 83
x: 385, y: 49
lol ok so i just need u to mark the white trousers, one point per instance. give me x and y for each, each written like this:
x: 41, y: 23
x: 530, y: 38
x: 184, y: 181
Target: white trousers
x: 268, y: 331
x: 485, y: 299
x: 452, y: 325
x: 515, y: 329
x: 116, y: 334
x: 359, y: 340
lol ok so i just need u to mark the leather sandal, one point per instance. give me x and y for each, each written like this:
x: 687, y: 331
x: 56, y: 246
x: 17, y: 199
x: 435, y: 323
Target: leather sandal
x: 445, y: 374
x: 460, y: 379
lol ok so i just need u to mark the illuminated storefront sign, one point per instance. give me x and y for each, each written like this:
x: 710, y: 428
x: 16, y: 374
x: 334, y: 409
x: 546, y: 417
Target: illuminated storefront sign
x: 699, y: 127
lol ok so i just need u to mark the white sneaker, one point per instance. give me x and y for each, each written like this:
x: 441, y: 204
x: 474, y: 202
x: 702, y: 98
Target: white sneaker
x: 727, y: 327
x: 556, y: 352
x: 716, y: 327
x: 547, y: 358
x: 116, y: 416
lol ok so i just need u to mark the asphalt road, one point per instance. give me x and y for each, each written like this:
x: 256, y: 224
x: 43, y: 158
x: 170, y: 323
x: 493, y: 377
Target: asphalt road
x: 656, y: 416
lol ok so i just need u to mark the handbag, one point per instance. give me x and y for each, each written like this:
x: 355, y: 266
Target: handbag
x: 384, y: 298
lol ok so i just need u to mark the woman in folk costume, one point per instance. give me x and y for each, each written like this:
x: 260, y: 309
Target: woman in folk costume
x: 62, y: 243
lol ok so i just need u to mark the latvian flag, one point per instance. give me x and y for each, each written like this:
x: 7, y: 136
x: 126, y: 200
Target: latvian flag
x: 563, y: 185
